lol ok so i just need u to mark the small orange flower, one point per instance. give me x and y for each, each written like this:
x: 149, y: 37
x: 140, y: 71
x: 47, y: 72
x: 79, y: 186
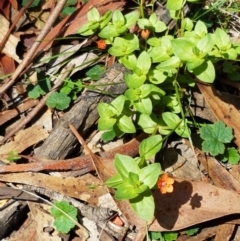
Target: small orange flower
x: 101, y: 44
x: 165, y: 183
x: 145, y: 33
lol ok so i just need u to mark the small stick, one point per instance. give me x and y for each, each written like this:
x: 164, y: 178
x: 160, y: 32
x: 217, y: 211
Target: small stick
x: 85, y: 147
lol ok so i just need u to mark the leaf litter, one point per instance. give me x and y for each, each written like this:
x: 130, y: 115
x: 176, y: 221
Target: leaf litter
x: 195, y: 199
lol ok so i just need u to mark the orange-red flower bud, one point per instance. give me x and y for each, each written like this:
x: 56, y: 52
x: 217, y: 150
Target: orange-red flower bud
x: 101, y: 44
x: 145, y: 33
x: 165, y: 184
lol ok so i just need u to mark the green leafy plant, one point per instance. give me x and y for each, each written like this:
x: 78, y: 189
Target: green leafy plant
x: 96, y: 72
x: 59, y: 101
x: 161, y: 66
x: 95, y: 23
x: 135, y: 179
x: 215, y: 137
x: 65, y: 216
x: 69, y: 7
x: 68, y: 91
x: 231, y: 156
x: 41, y: 88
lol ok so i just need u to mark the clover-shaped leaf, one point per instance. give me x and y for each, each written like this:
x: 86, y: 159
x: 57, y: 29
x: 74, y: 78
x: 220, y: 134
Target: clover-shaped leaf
x: 215, y: 136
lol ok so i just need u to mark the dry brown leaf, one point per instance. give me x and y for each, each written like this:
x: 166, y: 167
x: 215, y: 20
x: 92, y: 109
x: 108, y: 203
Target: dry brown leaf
x: 86, y: 188
x: 43, y: 220
x: 180, y: 167
x: 224, y: 232
x: 11, y: 44
x: 28, y: 229
x: 7, y: 64
x: 192, y: 203
x: 23, y: 140
x: 46, y: 120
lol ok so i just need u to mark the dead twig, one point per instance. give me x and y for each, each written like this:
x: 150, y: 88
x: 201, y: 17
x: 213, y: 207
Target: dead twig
x: 83, y: 163
x: 85, y: 146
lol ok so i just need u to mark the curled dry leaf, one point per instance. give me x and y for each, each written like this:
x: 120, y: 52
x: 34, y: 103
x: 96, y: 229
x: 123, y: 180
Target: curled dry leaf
x: 192, y: 203
x: 11, y: 44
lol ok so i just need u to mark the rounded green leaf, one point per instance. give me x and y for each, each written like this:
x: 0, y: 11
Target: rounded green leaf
x: 106, y: 123
x: 85, y: 30
x: 150, y: 174
x: 154, y: 42
x: 118, y: 103
x: 118, y: 18
x: 114, y: 181
x: 200, y: 29
x: 116, y: 51
x: 93, y: 15
x: 132, y: 94
x: 171, y: 119
x: 144, y: 62
x: 129, y: 61
x: 131, y: 18
x: 126, y: 191
x: 183, y: 49
x: 59, y: 101
x: 144, y: 205
x: 147, y: 124
x: 133, y: 80
x: 222, y: 39
x: 150, y: 146
x: 126, y: 125
x: 159, y: 27
x: 158, y: 54
x: 205, y: 45
x: 205, y: 72
x: 175, y: 4
x: 171, y: 63
x: 105, y: 19
x: 108, y: 32
x: 143, y: 22
x: 105, y: 110
x: 144, y: 106
x: 153, y: 19
x: 125, y: 164
x: 183, y: 130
